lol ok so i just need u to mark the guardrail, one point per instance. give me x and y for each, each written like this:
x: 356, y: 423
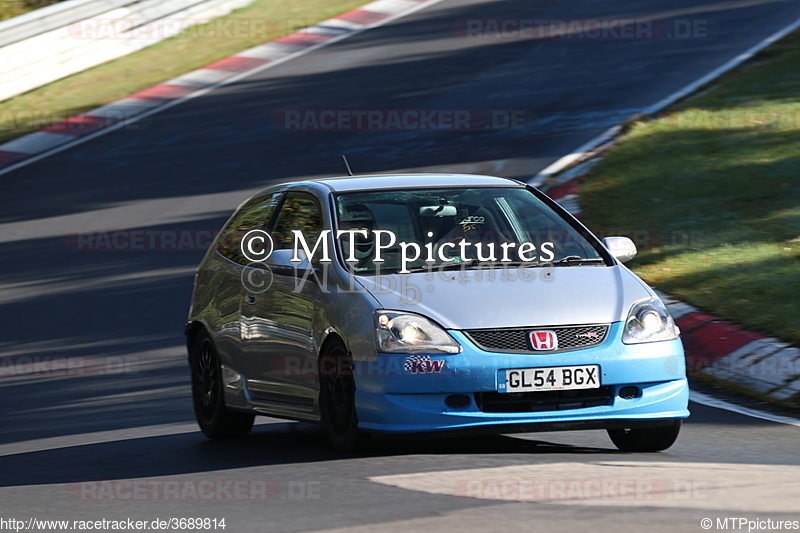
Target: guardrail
x: 52, y: 17
x: 60, y: 40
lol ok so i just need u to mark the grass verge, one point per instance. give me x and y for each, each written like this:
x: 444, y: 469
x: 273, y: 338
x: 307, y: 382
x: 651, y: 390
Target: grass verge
x: 13, y: 8
x: 711, y: 194
x: 194, y: 48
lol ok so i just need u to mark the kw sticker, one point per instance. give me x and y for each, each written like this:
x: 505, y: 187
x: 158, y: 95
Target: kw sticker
x: 422, y: 364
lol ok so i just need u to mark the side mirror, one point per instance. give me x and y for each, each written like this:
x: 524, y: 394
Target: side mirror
x: 620, y: 247
x: 282, y: 259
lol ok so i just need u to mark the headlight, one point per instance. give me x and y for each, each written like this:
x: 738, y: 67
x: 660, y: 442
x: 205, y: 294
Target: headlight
x: 406, y: 333
x: 649, y: 321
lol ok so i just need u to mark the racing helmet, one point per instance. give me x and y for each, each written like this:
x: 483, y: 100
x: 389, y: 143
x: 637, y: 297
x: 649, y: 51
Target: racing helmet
x: 359, y: 217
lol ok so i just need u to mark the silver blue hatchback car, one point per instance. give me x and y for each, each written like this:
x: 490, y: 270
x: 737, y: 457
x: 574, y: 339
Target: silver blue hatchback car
x: 428, y: 303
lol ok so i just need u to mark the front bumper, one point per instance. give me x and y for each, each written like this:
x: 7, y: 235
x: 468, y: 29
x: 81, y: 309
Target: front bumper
x: 393, y: 396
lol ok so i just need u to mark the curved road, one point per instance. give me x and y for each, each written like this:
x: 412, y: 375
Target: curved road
x: 95, y: 417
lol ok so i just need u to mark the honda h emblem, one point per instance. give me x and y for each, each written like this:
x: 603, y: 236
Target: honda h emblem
x: 543, y: 340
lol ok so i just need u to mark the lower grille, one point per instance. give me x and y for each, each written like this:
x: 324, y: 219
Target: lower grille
x: 531, y: 402
x: 515, y: 340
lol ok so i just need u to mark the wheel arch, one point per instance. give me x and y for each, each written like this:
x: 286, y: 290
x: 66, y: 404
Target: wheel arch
x: 191, y: 330
x: 332, y: 335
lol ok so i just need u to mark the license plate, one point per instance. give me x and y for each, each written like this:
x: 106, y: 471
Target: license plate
x: 553, y: 378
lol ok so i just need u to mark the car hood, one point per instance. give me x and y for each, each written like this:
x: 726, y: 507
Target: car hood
x: 463, y: 300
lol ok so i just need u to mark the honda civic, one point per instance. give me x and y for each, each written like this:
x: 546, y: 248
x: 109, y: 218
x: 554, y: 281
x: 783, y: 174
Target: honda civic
x: 428, y: 303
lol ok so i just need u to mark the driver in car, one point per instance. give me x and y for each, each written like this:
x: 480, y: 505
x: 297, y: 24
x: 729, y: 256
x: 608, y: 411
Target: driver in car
x: 358, y: 217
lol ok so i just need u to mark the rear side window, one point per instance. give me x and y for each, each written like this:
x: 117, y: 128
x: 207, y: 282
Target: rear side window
x: 254, y: 215
x: 298, y: 212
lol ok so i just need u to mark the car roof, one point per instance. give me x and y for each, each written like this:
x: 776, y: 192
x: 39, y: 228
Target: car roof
x: 403, y: 181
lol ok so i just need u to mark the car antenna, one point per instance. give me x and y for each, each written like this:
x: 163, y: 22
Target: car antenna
x: 347, y: 166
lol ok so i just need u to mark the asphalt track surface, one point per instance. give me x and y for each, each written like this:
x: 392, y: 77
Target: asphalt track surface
x: 113, y: 407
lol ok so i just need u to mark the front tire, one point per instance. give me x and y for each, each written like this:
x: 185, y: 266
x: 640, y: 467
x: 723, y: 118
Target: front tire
x: 337, y: 399
x: 214, y: 418
x: 645, y: 439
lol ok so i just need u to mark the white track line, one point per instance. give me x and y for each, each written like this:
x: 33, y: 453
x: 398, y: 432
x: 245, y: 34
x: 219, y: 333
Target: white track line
x: 568, y: 159
x: 205, y: 90
x: 710, y: 401
x: 716, y: 73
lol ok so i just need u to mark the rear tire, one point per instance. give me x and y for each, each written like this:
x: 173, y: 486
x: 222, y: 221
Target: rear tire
x: 337, y: 399
x: 645, y: 439
x: 214, y: 418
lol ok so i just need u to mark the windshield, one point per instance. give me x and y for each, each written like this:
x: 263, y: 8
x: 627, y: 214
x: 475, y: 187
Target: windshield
x: 408, y: 230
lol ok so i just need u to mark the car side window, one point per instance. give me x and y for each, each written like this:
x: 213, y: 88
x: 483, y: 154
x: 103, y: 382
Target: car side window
x: 255, y: 215
x: 298, y: 212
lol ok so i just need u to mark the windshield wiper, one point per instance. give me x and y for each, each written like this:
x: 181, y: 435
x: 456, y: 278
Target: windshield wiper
x: 474, y: 263
x: 571, y: 260
x: 442, y: 266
